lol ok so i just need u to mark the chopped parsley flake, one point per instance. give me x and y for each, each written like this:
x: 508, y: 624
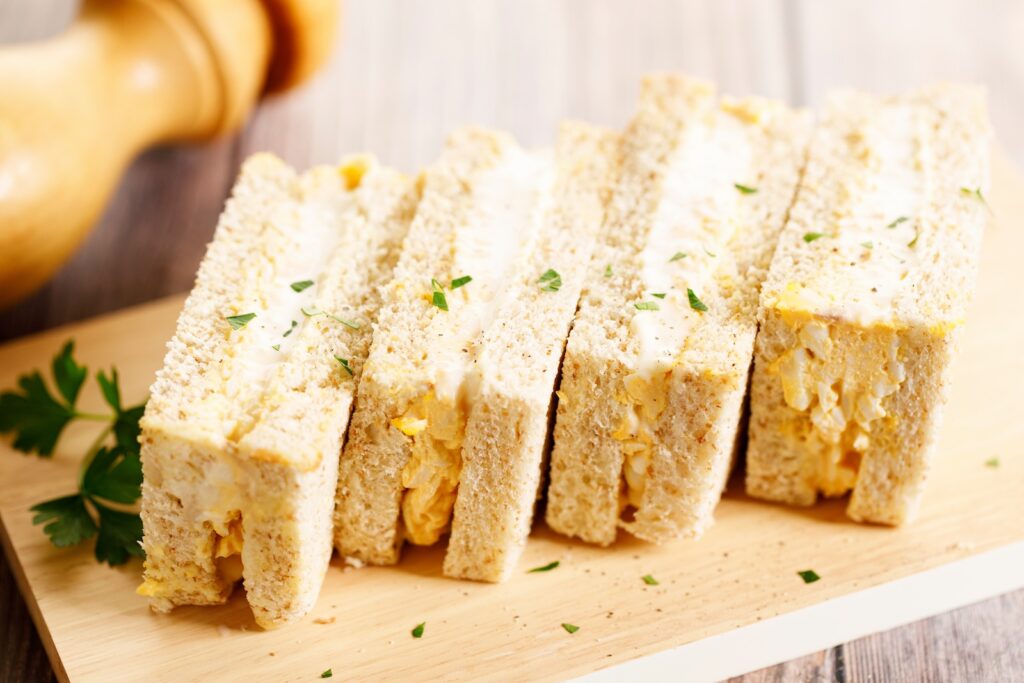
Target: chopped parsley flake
x: 649, y: 580
x: 608, y: 270
x: 276, y: 347
x: 550, y: 281
x: 992, y: 462
x: 912, y: 242
x: 237, y: 322
x: 658, y: 295
x: 676, y: 256
x: 418, y: 631
x: 347, y: 323
x: 327, y: 674
x: 301, y: 285
x: 438, y: 299
x: 868, y: 245
x: 311, y: 311
x: 290, y: 329
x: 901, y: 219
x: 695, y: 303
x: 459, y: 281
x: 546, y: 568
x: 344, y: 364
x: 811, y: 236
x: 745, y: 189
x: 647, y: 306
x: 809, y: 575
x: 712, y: 255
x: 571, y: 628
x: 976, y: 193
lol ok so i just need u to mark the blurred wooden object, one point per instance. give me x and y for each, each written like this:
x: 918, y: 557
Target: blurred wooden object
x: 129, y: 74
x: 407, y: 72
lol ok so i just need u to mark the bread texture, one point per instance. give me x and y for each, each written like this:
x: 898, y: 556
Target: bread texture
x: 244, y: 426
x: 656, y: 366
x: 452, y: 413
x: 862, y: 308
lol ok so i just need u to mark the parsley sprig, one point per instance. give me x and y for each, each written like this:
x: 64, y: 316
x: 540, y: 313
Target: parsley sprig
x: 111, y: 473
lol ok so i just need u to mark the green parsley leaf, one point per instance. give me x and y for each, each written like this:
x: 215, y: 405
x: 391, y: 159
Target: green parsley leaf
x: 119, y: 537
x: 912, y: 242
x: 868, y: 245
x: 327, y: 674
x: 901, y: 219
x: 438, y: 298
x: 276, y: 347
x: 647, y: 306
x: 291, y: 329
x: 658, y: 295
x: 109, y: 388
x: 347, y: 323
x: 992, y: 462
x: 344, y: 364
x: 546, y: 568
x: 571, y: 628
x: 550, y: 281
x: 976, y: 193
x: 301, y: 285
x: 459, y: 281
x: 811, y: 236
x: 809, y: 575
x: 745, y: 189
x: 35, y: 416
x: 66, y: 520
x: 113, y: 474
x: 712, y: 255
x: 237, y: 322
x: 695, y: 303
x: 311, y: 312
x: 649, y: 580
x: 677, y: 256
x: 418, y: 631
x: 110, y: 473
x: 126, y: 428
x: 440, y: 301
x: 67, y: 374
x: 608, y: 270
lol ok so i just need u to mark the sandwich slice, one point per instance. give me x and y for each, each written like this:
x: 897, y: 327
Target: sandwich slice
x: 656, y: 367
x: 243, y: 429
x: 452, y: 415
x: 862, y: 307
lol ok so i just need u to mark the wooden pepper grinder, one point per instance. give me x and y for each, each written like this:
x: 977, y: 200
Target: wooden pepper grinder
x: 128, y: 74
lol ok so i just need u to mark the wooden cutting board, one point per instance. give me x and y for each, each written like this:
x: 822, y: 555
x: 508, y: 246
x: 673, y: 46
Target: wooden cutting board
x: 729, y: 603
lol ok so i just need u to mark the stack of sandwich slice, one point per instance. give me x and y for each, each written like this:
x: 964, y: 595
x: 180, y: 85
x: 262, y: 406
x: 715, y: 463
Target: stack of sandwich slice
x: 661, y: 263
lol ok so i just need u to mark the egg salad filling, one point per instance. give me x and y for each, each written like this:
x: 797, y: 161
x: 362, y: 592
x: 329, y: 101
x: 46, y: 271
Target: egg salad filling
x: 508, y: 203
x: 431, y: 477
x: 698, y: 213
x: 839, y: 378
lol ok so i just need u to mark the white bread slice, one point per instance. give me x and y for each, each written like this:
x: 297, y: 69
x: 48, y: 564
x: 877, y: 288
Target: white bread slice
x: 240, y: 440
x: 652, y: 388
x: 452, y: 412
x: 859, y: 326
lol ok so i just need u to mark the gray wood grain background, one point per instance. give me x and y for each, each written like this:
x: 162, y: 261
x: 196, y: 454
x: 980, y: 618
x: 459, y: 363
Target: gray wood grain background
x: 406, y: 72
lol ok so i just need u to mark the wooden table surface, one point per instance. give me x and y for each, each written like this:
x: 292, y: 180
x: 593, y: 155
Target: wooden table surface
x: 407, y: 72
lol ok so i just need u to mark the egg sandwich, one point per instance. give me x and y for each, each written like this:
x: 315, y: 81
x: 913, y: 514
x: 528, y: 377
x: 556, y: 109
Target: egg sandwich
x: 657, y: 364
x: 866, y: 295
x: 452, y: 414
x: 244, y: 426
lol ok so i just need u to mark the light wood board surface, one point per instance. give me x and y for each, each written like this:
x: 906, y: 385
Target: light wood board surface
x: 405, y: 72
x: 744, y: 571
